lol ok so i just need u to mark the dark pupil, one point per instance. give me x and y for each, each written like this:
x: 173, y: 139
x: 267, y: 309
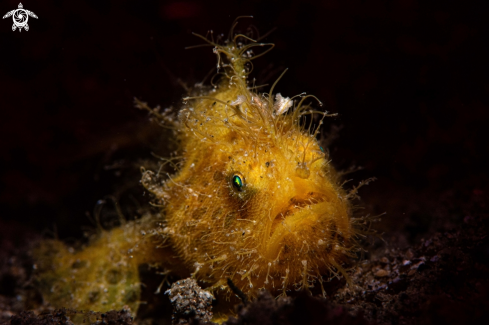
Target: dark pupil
x: 237, y: 182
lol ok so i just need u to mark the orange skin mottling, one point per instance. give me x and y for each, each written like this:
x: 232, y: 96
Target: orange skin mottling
x: 255, y: 200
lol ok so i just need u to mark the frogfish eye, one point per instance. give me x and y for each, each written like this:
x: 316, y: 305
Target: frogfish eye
x: 238, y: 182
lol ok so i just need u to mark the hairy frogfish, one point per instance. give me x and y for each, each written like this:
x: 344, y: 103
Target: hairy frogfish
x: 255, y: 200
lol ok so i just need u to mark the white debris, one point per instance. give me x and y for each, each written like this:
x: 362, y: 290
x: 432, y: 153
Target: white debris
x: 241, y: 99
x: 282, y: 104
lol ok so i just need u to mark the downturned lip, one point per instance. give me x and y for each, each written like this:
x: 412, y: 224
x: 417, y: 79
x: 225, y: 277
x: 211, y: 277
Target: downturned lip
x: 297, y: 203
x: 302, y: 213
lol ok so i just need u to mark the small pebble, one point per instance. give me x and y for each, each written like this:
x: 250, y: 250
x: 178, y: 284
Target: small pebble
x: 381, y: 273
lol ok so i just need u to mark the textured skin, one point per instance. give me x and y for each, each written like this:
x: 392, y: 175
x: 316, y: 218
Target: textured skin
x: 287, y: 226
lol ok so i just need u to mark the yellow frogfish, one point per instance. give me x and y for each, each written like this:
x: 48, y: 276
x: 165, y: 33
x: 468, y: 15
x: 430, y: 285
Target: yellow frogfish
x: 255, y: 200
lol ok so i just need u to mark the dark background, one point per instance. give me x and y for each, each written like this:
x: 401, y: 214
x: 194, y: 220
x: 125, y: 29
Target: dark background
x: 409, y: 79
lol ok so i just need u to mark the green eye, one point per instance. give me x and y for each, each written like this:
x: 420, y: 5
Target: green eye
x: 238, y: 182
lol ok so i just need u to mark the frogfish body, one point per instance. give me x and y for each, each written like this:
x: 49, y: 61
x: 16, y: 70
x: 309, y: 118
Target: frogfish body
x: 255, y: 200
